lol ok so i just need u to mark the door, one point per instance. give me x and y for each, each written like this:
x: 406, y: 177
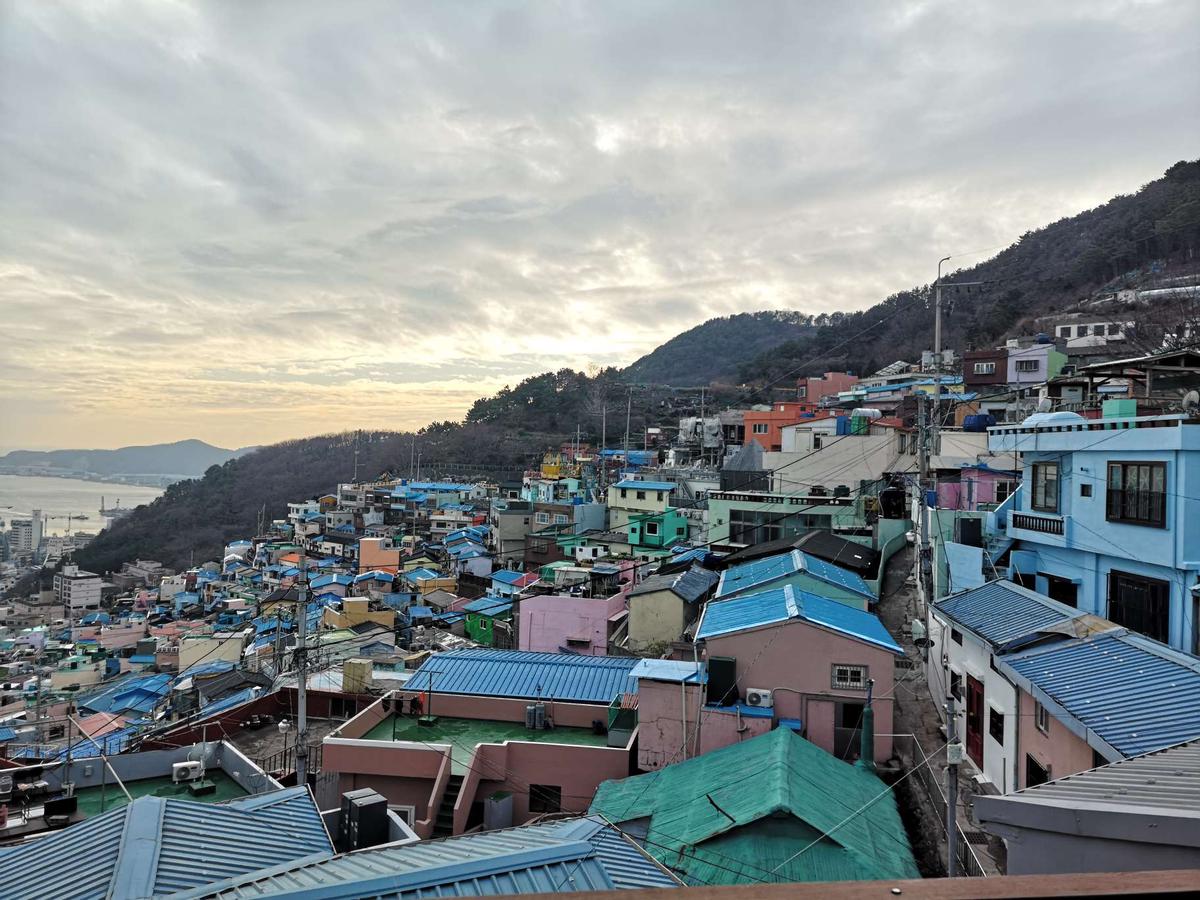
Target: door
x: 975, y: 721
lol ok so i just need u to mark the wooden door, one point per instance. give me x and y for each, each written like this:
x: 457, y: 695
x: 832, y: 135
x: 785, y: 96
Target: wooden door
x: 975, y: 721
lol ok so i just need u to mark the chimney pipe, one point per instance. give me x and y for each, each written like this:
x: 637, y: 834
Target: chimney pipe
x: 866, y: 752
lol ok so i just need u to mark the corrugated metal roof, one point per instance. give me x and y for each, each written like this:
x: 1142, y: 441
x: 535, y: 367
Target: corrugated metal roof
x: 747, y: 611
x: 515, y: 579
x: 1001, y: 611
x: 157, y: 846
x: 762, y: 572
x: 695, y: 807
x: 1165, y: 780
x: 489, y: 606
x: 631, y: 485
x: 669, y: 670
x: 558, y: 857
x: 528, y: 675
x: 1120, y: 690
x: 689, y: 586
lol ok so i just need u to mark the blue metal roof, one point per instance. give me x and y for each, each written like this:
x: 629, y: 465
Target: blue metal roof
x: 387, y: 577
x: 583, y: 854
x: 507, y: 576
x: 139, y: 693
x: 528, y: 675
x: 762, y: 572
x: 1002, y: 611
x: 645, y: 485
x: 159, y: 846
x: 489, y: 606
x: 1119, y: 691
x: 324, y: 580
x: 670, y: 670
x: 781, y: 604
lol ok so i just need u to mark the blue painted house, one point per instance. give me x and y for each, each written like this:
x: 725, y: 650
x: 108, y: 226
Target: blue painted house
x: 1107, y: 518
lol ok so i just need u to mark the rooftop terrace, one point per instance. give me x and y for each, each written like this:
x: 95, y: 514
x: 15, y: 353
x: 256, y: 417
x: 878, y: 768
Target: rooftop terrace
x: 463, y: 735
x: 94, y: 800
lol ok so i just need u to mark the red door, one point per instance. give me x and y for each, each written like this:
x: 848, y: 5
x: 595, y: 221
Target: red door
x: 975, y: 720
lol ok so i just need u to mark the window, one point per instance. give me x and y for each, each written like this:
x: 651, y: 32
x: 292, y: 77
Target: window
x: 759, y: 428
x: 956, y: 636
x: 1082, y: 331
x: 560, y: 519
x: 996, y: 724
x: 545, y: 798
x: 542, y: 518
x: 849, y: 678
x: 1085, y: 489
x: 1114, y: 328
x: 1041, y: 718
x: 1045, y: 487
x: 1004, y: 490
x: 539, y: 546
x: 1137, y: 494
x: 955, y: 685
x: 1064, y: 330
x: 658, y: 496
x: 641, y: 495
x: 624, y: 493
x: 802, y: 392
x: 1140, y: 604
x: 407, y: 813
x: 985, y: 368
x: 1035, y: 772
x: 1028, y: 365
x: 652, y: 529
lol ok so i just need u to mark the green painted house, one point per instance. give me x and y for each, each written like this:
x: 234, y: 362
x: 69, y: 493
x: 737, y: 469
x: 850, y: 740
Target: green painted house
x: 771, y: 809
x: 483, y: 617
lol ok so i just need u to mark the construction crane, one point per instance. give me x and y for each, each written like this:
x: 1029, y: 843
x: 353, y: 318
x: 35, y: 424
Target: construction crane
x: 69, y: 517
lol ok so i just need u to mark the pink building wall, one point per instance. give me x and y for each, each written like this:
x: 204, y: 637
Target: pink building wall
x: 416, y: 775
x: 829, y: 383
x: 797, y: 664
x: 975, y: 487
x: 663, y: 708
x: 548, y: 620
x: 1057, y: 748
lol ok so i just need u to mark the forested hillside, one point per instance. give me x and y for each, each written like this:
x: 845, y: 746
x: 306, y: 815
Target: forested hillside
x: 1045, y: 270
x: 715, y: 350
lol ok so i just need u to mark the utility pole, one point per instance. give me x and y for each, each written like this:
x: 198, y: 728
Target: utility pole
x: 628, y: 411
x: 937, y: 344
x: 954, y: 756
x: 302, y: 672
x: 924, y: 589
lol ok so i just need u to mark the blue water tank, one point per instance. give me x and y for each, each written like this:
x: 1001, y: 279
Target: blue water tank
x: 980, y: 422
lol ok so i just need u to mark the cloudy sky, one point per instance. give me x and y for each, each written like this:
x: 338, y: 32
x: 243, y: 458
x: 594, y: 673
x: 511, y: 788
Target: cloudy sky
x: 247, y: 221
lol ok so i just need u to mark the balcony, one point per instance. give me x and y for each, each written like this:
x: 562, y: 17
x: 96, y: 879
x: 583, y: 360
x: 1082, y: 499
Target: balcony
x: 1053, y: 525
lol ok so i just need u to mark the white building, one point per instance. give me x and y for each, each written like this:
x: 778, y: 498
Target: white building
x: 77, y: 590
x: 967, y: 631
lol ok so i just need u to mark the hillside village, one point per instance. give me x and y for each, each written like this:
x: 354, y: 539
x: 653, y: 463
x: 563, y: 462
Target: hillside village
x: 761, y: 646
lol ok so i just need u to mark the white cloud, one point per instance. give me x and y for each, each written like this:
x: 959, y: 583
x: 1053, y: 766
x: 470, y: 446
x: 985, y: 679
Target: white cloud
x: 245, y: 221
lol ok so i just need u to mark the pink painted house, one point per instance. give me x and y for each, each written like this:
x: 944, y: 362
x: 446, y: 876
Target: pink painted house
x: 550, y: 623
x: 779, y: 657
x: 977, y: 485
x: 471, y: 753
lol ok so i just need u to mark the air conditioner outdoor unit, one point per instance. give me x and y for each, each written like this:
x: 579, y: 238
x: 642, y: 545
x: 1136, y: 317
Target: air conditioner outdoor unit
x: 187, y: 771
x: 758, y: 697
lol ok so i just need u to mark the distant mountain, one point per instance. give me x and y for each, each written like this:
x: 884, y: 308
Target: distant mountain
x: 715, y: 350
x: 191, y: 457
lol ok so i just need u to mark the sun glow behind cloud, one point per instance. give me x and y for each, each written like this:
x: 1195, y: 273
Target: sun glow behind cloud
x: 246, y: 222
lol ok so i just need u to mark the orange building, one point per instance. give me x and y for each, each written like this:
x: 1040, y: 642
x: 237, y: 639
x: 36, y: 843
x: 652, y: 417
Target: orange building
x: 765, y: 426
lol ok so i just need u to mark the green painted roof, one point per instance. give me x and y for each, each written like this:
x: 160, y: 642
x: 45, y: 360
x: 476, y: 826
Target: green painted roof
x: 776, y: 793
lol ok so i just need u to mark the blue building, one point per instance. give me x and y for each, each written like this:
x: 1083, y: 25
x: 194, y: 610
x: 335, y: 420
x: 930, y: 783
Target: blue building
x: 1107, y: 518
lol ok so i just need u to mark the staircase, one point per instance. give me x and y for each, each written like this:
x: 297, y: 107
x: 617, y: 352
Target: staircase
x: 443, y: 826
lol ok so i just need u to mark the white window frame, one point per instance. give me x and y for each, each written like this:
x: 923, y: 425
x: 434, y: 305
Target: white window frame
x: 405, y: 812
x: 542, y: 518
x: 1029, y: 365
x: 1041, y: 717
x: 652, y: 529
x: 760, y: 428
x: 560, y: 519
x: 840, y: 677
x: 985, y: 368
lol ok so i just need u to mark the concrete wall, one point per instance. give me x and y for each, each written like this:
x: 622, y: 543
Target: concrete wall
x: 1058, y: 749
x: 1040, y: 852
x: 665, y: 709
x: 547, y: 620
x: 194, y: 649
x: 657, y: 617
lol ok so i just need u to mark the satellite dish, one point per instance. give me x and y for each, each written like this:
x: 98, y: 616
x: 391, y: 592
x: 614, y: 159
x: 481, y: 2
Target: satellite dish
x: 1045, y: 405
x: 1191, y: 401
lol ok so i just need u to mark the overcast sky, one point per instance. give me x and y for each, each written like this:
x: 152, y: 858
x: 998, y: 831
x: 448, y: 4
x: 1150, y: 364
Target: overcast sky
x: 248, y: 221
